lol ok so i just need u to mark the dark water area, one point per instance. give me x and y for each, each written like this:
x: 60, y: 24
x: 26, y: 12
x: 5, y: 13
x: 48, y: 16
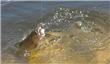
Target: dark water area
x: 19, y: 18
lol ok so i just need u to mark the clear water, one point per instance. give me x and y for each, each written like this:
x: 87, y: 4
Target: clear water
x: 19, y: 18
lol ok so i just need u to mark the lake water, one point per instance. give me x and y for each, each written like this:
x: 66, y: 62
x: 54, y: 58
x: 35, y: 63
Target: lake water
x: 19, y: 18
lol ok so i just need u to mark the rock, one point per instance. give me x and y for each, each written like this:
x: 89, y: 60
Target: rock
x: 30, y: 42
x: 79, y: 23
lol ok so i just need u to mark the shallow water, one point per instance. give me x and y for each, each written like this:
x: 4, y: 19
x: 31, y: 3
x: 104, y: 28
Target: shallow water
x: 20, y: 18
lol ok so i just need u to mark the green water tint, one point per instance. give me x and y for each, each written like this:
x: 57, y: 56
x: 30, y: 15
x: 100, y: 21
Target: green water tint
x: 76, y: 37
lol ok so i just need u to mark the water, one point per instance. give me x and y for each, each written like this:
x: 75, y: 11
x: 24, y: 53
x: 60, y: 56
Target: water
x: 19, y: 18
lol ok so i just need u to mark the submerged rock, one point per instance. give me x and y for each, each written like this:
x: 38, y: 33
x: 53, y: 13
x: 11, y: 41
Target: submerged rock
x: 71, y: 38
x: 30, y: 42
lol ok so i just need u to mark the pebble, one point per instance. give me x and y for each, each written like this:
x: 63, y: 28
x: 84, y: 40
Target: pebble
x: 79, y: 23
x: 86, y: 16
x: 80, y: 12
x: 72, y: 11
